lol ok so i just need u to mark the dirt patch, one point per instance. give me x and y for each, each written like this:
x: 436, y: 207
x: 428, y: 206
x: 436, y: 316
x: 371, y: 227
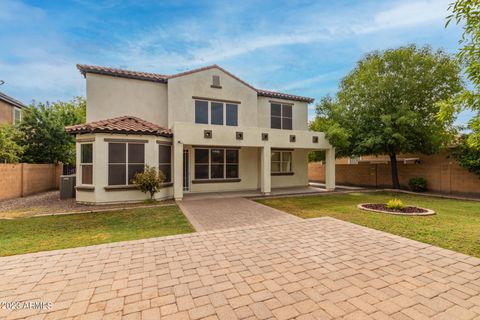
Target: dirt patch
x: 50, y: 203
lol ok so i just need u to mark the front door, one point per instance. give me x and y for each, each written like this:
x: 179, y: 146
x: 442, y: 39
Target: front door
x: 186, y: 185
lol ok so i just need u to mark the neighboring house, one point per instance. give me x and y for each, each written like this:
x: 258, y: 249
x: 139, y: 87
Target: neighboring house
x: 10, y: 109
x: 206, y: 129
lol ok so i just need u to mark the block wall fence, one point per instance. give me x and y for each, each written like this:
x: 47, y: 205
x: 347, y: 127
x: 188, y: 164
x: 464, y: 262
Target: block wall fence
x: 443, y: 175
x: 23, y: 179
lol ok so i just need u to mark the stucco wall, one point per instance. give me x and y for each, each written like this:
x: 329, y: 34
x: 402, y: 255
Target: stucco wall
x: 300, y: 169
x: 299, y: 113
x: 6, y: 113
x: 248, y: 173
x: 100, y: 170
x: 182, y: 89
x: 17, y: 180
x: 109, y: 97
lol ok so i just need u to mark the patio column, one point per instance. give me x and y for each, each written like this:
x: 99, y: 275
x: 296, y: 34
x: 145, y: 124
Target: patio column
x: 330, y: 169
x: 265, y: 170
x: 177, y: 170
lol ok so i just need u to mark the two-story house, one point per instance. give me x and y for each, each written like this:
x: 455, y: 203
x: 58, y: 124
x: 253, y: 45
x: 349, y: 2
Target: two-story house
x: 10, y: 109
x: 206, y: 129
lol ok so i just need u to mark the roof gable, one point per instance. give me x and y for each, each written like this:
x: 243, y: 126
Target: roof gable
x: 156, y: 77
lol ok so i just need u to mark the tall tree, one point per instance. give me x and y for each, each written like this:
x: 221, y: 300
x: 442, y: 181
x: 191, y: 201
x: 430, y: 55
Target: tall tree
x: 388, y: 104
x: 42, y: 131
x: 467, y: 13
x: 10, y: 151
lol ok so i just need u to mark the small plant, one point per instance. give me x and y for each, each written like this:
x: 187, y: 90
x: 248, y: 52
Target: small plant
x: 418, y: 184
x: 395, y: 204
x: 150, y: 180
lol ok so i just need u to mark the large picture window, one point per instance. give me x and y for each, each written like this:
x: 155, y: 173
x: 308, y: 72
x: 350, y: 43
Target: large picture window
x: 216, y: 112
x: 281, y: 162
x: 216, y: 163
x: 281, y: 116
x: 165, y: 161
x: 86, y: 163
x: 124, y: 161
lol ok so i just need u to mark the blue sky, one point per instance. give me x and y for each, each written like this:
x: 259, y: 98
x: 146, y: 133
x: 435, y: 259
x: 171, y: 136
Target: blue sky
x: 300, y: 47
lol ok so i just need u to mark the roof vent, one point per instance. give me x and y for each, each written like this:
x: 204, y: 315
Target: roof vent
x: 216, y: 82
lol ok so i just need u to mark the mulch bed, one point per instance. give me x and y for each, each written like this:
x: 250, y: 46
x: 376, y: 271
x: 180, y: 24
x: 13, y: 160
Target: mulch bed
x: 383, y: 207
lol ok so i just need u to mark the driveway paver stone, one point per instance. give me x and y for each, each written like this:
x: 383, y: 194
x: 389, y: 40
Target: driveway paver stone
x: 307, y: 269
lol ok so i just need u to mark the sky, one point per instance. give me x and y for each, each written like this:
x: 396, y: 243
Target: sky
x: 302, y: 47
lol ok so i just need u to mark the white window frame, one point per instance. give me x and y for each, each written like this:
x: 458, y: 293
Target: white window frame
x: 85, y: 164
x: 281, y: 161
x: 224, y: 164
x: 14, y: 111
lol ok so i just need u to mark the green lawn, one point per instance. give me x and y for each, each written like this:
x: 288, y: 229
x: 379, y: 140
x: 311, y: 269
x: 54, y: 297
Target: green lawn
x: 456, y: 225
x: 34, y: 234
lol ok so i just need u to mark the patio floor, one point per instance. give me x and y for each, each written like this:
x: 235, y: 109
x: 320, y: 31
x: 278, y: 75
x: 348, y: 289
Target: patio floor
x: 309, y: 269
x: 255, y: 193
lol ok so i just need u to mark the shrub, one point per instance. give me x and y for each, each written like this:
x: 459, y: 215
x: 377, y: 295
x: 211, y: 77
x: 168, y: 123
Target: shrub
x: 418, y: 184
x: 395, y: 204
x: 150, y: 180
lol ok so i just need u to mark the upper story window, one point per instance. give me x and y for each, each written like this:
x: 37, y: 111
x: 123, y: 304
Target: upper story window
x: 124, y: 161
x: 17, y: 115
x: 165, y: 161
x: 216, y: 112
x: 281, y: 116
x: 86, y: 163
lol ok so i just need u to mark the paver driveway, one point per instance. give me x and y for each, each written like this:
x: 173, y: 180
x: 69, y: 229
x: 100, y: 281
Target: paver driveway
x: 320, y: 268
x: 213, y: 214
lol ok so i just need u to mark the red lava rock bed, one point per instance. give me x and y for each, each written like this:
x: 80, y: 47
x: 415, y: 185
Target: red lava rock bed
x: 383, y: 207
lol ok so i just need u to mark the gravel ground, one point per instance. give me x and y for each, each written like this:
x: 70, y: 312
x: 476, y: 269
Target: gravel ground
x: 50, y: 203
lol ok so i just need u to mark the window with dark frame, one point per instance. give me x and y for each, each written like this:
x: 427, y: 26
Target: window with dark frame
x: 281, y: 116
x: 216, y: 112
x: 216, y: 163
x: 165, y: 161
x: 125, y: 159
x: 281, y: 161
x: 86, y: 163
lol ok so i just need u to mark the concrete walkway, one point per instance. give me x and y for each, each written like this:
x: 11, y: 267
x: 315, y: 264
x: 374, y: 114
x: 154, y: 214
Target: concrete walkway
x: 312, y: 269
x: 222, y: 213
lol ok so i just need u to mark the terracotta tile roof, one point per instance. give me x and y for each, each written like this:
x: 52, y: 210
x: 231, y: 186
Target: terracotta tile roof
x: 164, y: 79
x: 125, y: 125
x: 122, y: 73
x: 273, y: 94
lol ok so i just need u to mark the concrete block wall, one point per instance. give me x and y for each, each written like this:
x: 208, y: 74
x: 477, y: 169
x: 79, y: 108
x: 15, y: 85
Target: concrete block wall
x: 19, y: 180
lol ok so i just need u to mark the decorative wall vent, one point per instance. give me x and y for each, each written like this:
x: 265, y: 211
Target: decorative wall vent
x: 216, y: 82
x: 265, y: 136
x: 315, y: 139
x: 293, y: 138
x: 239, y: 135
x: 207, y: 134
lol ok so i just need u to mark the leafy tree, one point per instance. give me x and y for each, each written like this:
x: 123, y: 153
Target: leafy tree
x: 10, y: 151
x: 467, y: 156
x: 467, y: 13
x: 389, y: 104
x: 150, y: 180
x: 43, y: 136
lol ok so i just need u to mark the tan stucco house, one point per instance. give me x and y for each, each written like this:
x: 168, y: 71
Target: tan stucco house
x: 206, y: 129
